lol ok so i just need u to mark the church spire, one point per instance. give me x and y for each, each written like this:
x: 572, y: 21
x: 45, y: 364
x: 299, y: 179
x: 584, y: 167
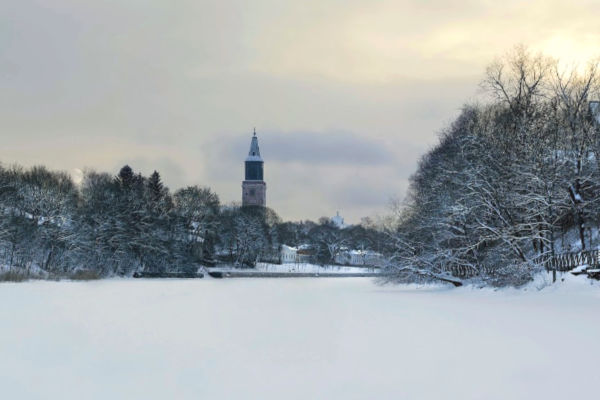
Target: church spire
x: 254, y: 188
x: 254, y: 153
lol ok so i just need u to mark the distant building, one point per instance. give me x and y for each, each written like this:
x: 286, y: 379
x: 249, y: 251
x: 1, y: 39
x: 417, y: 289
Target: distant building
x: 338, y: 221
x: 254, y: 188
x: 288, y: 254
x: 298, y: 255
x: 304, y: 254
x: 359, y: 257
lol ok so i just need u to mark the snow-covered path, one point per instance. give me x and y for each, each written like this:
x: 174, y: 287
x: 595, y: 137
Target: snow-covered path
x: 295, y: 339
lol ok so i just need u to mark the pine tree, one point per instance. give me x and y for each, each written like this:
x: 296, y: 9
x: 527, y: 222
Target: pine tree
x: 126, y: 177
x: 155, y: 187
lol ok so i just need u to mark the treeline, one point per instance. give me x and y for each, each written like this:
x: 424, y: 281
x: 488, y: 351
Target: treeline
x: 125, y: 223
x: 512, y: 181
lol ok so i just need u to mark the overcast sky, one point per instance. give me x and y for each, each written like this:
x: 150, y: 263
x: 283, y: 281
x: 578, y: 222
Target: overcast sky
x: 345, y: 95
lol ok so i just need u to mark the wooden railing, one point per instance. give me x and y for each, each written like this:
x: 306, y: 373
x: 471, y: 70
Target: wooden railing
x: 463, y: 271
x: 568, y: 261
x: 560, y: 262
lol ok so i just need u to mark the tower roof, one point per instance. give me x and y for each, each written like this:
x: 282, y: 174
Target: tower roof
x: 254, y: 153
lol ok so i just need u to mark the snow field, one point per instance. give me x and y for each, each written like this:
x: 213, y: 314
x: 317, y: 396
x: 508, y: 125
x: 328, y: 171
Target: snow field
x: 296, y: 339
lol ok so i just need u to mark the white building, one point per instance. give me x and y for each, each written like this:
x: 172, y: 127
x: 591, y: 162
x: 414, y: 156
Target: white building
x: 359, y: 257
x: 288, y: 254
x: 303, y: 254
x: 298, y: 255
x: 338, y: 221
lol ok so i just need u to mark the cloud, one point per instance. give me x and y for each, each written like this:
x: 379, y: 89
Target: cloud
x: 346, y: 94
x: 312, y: 148
x: 327, y: 148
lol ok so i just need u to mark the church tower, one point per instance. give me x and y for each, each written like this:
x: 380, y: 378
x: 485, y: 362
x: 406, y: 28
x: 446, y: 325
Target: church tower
x: 254, y: 188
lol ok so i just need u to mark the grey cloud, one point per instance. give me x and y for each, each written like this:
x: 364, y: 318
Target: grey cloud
x: 178, y: 86
x: 359, y: 192
x: 325, y: 148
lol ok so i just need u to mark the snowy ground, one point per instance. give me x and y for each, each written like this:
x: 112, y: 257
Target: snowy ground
x: 296, y: 339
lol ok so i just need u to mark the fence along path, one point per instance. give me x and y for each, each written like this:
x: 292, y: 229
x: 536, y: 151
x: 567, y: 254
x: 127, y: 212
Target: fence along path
x: 465, y: 272
x: 560, y: 262
x: 568, y: 261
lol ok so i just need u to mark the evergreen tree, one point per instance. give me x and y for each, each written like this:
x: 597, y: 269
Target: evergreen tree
x: 155, y: 187
x: 126, y: 176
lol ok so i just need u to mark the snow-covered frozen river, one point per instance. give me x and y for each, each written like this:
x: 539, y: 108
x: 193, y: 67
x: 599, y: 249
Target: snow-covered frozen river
x: 295, y: 339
